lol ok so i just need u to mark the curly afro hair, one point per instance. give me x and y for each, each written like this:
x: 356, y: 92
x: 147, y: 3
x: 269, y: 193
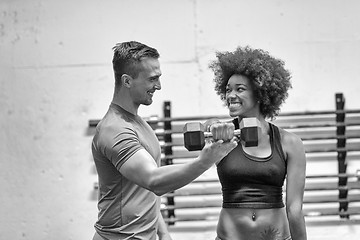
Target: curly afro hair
x: 269, y: 79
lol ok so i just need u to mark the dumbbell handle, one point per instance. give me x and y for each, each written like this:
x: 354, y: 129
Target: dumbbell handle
x: 237, y: 133
x: 194, y: 134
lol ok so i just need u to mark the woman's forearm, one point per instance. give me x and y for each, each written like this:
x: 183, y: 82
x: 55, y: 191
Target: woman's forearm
x: 297, y: 226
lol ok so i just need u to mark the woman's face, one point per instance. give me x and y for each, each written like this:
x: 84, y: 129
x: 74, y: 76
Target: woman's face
x: 240, y: 97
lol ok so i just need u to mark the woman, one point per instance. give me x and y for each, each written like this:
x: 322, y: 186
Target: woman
x: 254, y: 84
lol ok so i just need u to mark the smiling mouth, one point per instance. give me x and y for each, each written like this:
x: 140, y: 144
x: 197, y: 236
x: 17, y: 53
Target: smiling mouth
x: 232, y: 105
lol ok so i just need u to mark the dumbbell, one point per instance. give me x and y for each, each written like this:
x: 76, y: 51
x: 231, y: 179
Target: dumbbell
x: 194, y: 134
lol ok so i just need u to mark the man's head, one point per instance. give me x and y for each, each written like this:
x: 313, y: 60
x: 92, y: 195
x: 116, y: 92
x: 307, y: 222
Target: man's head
x: 127, y: 59
x: 137, y: 73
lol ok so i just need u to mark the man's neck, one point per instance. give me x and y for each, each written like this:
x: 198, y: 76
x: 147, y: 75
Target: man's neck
x: 126, y: 104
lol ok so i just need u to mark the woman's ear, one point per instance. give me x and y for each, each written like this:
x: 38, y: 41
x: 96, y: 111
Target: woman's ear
x: 126, y: 80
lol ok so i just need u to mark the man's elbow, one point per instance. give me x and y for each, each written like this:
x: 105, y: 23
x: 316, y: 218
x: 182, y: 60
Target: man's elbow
x: 156, y: 188
x: 158, y: 192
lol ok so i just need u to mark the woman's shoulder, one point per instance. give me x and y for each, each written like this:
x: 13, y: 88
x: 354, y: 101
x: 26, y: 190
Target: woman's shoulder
x: 288, y: 137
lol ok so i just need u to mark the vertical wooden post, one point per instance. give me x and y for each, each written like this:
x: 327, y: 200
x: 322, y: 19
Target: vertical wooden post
x: 341, y: 153
x: 168, y: 153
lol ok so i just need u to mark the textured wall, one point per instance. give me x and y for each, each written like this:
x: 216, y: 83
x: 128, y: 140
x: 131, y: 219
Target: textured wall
x: 55, y: 65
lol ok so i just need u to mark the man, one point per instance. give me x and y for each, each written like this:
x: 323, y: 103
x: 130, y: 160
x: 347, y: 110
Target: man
x: 127, y: 153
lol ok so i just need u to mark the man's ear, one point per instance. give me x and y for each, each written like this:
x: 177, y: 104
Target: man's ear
x: 126, y: 80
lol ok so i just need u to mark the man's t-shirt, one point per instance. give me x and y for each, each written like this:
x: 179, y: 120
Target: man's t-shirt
x: 126, y: 210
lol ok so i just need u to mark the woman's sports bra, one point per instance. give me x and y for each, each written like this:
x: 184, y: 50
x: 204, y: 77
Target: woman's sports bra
x: 251, y: 182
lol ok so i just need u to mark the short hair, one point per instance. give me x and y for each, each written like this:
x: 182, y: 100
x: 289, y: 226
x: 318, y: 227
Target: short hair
x: 127, y: 55
x: 269, y: 79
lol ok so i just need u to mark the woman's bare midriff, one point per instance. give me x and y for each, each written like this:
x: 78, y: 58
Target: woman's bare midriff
x: 254, y: 224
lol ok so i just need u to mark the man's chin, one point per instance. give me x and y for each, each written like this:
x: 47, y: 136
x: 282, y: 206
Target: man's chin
x: 148, y: 102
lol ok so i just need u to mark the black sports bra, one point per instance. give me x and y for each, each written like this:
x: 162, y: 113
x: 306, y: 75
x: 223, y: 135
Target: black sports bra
x: 251, y: 182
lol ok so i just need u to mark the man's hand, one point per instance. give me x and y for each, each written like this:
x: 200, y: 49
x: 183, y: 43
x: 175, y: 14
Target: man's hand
x: 222, y: 143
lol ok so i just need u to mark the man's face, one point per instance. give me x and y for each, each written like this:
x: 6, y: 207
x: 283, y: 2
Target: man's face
x: 147, y: 82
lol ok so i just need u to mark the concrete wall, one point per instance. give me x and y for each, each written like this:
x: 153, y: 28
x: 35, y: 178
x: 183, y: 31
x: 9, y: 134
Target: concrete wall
x: 55, y: 65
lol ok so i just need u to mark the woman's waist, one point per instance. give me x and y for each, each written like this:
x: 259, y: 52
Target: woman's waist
x: 247, y: 222
x: 247, y: 213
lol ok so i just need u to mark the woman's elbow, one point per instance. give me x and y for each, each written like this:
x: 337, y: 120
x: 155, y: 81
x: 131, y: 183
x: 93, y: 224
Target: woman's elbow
x: 294, y: 210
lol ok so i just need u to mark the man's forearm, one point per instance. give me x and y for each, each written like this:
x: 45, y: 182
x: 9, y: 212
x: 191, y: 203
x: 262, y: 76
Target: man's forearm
x: 163, y: 231
x: 171, y: 177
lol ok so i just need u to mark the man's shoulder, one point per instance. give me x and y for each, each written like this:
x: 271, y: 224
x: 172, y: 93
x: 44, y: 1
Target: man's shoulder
x: 113, y: 126
x: 115, y: 121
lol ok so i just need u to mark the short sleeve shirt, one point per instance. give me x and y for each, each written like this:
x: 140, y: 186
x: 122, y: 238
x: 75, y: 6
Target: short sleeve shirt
x: 126, y: 210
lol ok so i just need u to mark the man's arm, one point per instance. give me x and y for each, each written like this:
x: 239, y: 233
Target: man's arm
x: 163, y: 232
x: 142, y: 169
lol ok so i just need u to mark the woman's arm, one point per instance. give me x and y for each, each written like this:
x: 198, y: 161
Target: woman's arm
x: 295, y: 184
